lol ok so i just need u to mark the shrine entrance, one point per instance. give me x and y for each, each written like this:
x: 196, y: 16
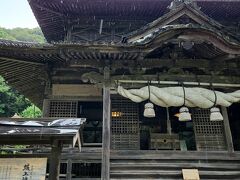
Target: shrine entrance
x: 131, y: 130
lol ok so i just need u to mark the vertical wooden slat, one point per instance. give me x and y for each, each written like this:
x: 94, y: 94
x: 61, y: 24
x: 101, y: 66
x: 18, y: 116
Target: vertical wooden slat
x: 45, y: 107
x: 105, y: 174
x: 69, y: 166
x: 69, y: 169
x: 227, y: 130
x: 54, y: 162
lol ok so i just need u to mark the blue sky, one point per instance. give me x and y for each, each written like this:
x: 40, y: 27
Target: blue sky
x: 16, y: 13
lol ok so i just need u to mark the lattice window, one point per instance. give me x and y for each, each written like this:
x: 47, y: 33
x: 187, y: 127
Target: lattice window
x: 125, y: 127
x: 63, y: 109
x: 209, y: 135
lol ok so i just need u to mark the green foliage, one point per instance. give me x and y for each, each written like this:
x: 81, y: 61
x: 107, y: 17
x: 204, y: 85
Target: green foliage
x: 3, y: 152
x: 5, y: 35
x: 11, y: 101
x: 9, y: 149
x: 22, y: 34
x: 32, y: 112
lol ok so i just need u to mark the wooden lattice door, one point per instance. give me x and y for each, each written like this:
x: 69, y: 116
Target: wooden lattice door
x: 125, y: 124
x: 62, y: 108
x: 209, y: 135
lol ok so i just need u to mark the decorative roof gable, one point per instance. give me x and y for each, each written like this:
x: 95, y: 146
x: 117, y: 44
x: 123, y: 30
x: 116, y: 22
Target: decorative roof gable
x: 181, y: 12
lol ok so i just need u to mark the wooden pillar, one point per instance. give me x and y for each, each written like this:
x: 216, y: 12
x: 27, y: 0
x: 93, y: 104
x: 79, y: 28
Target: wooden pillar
x: 227, y: 130
x: 54, y: 161
x: 69, y: 163
x: 105, y: 174
x: 45, y: 108
x: 69, y: 169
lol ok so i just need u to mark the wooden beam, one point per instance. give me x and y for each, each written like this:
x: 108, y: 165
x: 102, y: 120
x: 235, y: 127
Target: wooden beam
x: 201, y: 64
x: 14, y: 66
x: 179, y: 155
x: 105, y: 175
x: 54, y: 161
x: 12, y: 71
x: 78, y: 98
x: 68, y: 33
x: 97, y: 77
x: 227, y: 130
x: 22, y: 61
x: 22, y: 77
x: 25, y: 74
x: 26, y: 83
x: 46, y: 9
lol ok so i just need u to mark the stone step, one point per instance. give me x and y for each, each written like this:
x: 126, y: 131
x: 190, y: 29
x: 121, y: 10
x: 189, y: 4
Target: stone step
x: 130, y: 174
x: 140, y: 165
x: 145, y: 174
x: 146, y: 178
x: 152, y: 165
x: 174, y: 161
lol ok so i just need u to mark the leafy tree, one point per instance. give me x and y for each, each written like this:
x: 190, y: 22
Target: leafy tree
x: 32, y: 112
x: 11, y: 101
x: 5, y: 35
x: 22, y: 34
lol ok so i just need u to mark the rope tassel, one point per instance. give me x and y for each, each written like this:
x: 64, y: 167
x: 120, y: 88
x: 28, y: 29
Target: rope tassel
x: 149, y: 107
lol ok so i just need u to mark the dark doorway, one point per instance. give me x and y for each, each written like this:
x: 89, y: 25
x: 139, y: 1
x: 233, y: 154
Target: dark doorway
x: 165, y: 130
x: 92, y: 111
x: 234, y: 120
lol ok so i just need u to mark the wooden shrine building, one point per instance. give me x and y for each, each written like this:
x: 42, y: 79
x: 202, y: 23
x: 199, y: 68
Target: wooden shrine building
x: 96, y: 47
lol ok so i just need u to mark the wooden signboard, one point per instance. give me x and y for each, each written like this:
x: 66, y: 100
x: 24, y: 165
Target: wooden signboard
x: 75, y: 90
x: 23, y: 168
x: 190, y: 174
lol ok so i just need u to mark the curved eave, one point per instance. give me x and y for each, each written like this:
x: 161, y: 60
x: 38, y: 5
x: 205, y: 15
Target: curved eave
x: 189, y: 33
x: 27, y: 78
x: 30, y: 52
x: 23, y: 66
